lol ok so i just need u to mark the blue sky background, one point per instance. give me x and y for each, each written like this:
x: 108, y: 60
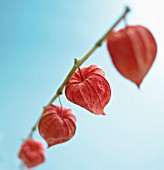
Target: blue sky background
x: 38, y: 42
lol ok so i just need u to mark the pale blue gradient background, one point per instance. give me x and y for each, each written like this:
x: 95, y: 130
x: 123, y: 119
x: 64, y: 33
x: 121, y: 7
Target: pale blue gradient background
x: 38, y: 41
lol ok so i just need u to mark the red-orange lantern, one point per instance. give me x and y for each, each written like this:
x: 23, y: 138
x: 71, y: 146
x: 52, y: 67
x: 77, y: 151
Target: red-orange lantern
x: 32, y: 153
x: 133, y: 50
x: 89, y: 89
x: 57, y: 125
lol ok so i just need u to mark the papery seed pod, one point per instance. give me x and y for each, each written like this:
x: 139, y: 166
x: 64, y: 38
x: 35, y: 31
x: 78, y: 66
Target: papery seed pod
x: 32, y: 153
x: 89, y: 89
x: 57, y: 125
x: 133, y: 50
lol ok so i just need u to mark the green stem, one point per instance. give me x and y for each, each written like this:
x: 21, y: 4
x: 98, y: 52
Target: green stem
x: 78, y: 63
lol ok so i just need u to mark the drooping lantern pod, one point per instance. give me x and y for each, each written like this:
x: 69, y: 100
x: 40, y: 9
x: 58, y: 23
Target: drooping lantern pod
x: 57, y: 125
x: 32, y: 153
x: 89, y: 89
x: 133, y: 50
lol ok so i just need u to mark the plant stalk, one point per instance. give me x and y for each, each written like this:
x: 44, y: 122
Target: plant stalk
x: 78, y: 63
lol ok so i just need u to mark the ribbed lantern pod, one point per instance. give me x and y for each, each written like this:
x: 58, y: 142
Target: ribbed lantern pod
x: 133, y: 50
x: 89, y: 89
x: 57, y: 125
x: 32, y: 153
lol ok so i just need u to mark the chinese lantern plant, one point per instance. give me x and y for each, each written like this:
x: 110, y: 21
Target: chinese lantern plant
x: 132, y: 49
x: 32, y: 153
x: 57, y: 124
x: 88, y: 88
